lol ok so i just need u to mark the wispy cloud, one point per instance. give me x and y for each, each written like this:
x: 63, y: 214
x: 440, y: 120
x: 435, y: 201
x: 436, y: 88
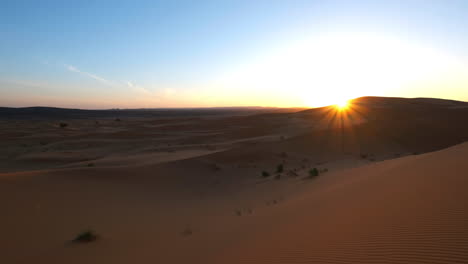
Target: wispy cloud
x: 139, y: 89
x: 160, y: 94
x: 90, y: 75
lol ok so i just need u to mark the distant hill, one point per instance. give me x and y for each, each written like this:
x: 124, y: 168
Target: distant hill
x: 66, y: 113
x: 407, y: 102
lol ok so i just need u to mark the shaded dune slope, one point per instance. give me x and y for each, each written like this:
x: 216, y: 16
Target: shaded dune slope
x: 381, y: 128
x: 408, y: 210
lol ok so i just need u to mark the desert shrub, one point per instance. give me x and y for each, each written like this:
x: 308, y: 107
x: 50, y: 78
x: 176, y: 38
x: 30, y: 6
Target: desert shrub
x: 265, y: 174
x: 90, y: 165
x: 118, y: 120
x: 314, y: 172
x: 279, y: 168
x: 363, y: 156
x: 63, y: 125
x: 85, y: 237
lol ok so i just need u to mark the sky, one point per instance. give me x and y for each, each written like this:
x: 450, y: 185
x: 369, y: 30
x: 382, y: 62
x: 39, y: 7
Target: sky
x: 150, y: 54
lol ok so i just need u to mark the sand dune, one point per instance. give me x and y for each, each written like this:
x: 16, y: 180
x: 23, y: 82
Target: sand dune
x: 406, y: 210
x: 409, y: 210
x: 191, y: 190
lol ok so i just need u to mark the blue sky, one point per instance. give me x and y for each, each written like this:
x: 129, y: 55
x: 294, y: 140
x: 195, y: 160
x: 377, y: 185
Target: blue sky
x: 102, y: 54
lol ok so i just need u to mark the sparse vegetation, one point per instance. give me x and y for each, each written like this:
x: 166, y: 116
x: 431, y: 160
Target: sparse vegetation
x: 63, y: 125
x: 118, y: 120
x: 265, y: 174
x: 85, y: 237
x: 279, y: 168
x: 363, y: 156
x: 90, y: 165
x: 314, y: 172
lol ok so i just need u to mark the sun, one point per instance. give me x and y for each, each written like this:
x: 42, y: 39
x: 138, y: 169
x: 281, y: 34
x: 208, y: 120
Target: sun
x: 321, y: 69
x: 342, y: 105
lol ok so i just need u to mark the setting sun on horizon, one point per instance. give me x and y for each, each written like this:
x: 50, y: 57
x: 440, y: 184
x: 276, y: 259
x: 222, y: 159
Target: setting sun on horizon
x: 337, y: 66
x: 342, y: 105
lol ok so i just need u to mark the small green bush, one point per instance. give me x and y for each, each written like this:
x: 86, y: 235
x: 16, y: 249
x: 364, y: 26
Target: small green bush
x: 265, y: 174
x: 85, y: 237
x: 279, y: 168
x: 314, y: 172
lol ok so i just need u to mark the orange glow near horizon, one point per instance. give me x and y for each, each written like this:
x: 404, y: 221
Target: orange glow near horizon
x: 327, y: 68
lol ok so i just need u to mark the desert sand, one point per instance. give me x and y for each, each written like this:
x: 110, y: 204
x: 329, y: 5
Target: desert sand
x: 170, y: 189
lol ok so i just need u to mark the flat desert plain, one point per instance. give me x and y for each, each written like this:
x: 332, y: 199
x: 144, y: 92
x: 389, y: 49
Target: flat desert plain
x: 382, y: 181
